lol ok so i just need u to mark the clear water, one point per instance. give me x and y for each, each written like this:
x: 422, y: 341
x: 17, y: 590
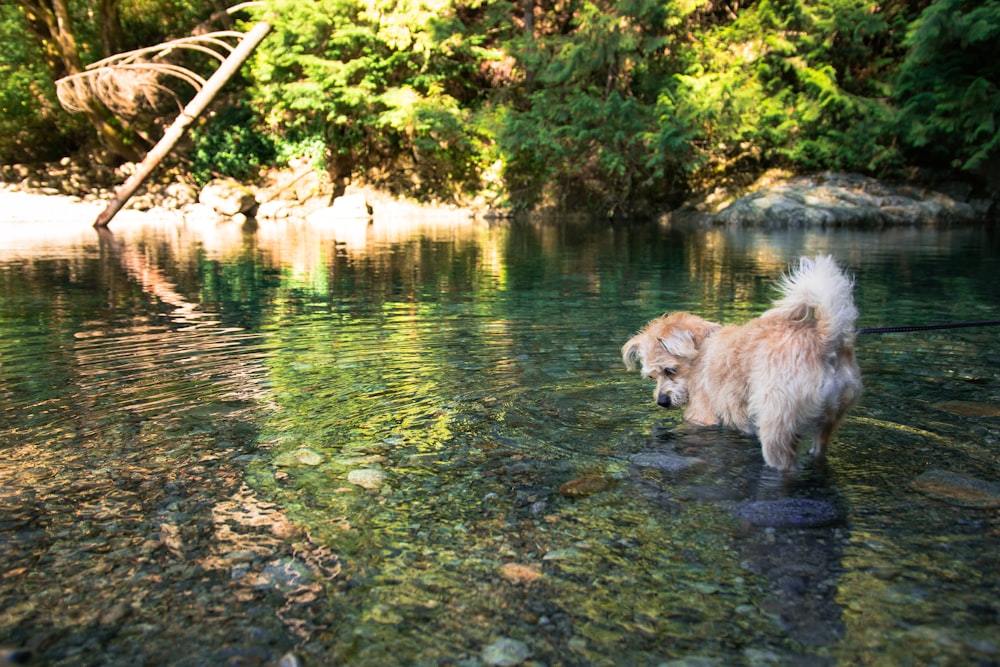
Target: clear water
x: 189, y: 420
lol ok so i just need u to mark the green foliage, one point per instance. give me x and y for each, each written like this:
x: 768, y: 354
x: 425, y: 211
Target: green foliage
x: 587, y: 132
x: 791, y: 82
x: 609, y: 106
x: 149, y: 22
x: 383, y: 83
x: 229, y: 144
x: 33, y: 126
x: 949, y: 84
x: 310, y: 147
x: 581, y: 149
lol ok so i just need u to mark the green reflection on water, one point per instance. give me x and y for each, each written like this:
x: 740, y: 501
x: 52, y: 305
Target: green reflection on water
x: 477, y: 398
x: 466, y: 377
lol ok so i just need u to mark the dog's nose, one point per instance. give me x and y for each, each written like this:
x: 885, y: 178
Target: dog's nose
x: 663, y: 400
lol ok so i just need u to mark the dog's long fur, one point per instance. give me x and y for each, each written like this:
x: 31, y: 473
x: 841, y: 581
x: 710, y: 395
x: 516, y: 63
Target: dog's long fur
x: 788, y: 373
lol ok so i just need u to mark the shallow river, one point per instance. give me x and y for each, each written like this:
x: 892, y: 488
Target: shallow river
x: 416, y: 444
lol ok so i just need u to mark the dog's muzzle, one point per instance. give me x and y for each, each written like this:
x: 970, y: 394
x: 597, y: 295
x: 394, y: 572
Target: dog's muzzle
x: 663, y: 400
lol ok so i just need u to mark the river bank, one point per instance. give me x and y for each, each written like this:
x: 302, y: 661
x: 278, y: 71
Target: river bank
x: 71, y: 189
x: 777, y: 199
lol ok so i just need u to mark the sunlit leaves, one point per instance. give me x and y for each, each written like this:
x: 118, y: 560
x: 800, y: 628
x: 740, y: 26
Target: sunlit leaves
x: 377, y: 80
x: 786, y: 82
x: 587, y: 130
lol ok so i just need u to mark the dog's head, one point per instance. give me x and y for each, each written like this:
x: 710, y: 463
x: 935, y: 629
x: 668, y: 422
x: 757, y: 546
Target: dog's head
x: 665, y: 350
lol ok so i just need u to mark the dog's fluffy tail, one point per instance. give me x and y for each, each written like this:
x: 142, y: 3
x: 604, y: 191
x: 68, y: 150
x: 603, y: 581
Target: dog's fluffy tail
x: 819, y: 289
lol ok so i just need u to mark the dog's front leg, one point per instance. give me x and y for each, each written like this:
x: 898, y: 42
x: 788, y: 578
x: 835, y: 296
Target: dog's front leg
x: 699, y: 411
x: 778, y: 445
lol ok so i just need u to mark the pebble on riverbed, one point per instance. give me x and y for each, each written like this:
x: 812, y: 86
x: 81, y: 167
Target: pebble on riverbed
x: 584, y: 486
x: 969, y: 408
x: 519, y: 574
x: 303, y: 456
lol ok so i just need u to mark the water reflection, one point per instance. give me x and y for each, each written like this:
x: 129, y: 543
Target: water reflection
x: 401, y: 444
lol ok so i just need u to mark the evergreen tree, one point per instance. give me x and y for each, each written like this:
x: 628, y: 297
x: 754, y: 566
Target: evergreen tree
x: 948, y: 88
x: 798, y: 83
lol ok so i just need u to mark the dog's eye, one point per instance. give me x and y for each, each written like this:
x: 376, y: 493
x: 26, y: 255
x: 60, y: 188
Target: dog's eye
x: 669, y: 372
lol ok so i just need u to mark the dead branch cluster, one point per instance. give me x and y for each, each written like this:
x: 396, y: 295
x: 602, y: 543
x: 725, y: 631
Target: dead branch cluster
x: 133, y: 82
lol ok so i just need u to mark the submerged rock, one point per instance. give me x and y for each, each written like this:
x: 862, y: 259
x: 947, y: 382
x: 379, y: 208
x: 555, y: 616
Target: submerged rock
x: 789, y: 513
x: 520, y: 574
x: 15, y: 656
x: 286, y: 574
x: 303, y: 456
x: 506, y: 652
x: 367, y: 478
x: 584, y: 486
x: 115, y: 614
x: 694, y: 661
x: 563, y: 554
x: 669, y: 461
x: 963, y: 490
x: 969, y: 408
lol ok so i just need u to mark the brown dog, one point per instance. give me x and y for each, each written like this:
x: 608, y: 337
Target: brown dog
x: 791, y: 372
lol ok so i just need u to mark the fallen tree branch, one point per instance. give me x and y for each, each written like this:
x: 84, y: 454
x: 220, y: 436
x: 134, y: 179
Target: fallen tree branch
x: 230, y: 65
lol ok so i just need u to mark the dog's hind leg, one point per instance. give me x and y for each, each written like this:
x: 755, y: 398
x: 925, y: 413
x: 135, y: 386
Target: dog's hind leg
x: 822, y: 437
x: 834, y: 417
x: 821, y: 440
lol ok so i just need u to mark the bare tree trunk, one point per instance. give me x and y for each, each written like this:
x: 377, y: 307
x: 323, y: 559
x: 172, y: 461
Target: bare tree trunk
x: 226, y: 70
x: 529, y: 35
x: 111, y: 27
x: 62, y: 32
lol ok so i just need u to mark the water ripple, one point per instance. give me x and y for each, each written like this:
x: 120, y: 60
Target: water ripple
x: 146, y: 368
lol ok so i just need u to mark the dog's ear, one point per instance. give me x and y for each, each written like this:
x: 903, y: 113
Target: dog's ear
x: 684, y: 343
x: 680, y: 343
x: 707, y: 329
x: 631, y: 353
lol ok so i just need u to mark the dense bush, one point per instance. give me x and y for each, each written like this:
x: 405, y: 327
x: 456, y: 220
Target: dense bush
x: 585, y: 130
x: 386, y: 89
x: 230, y: 144
x: 794, y: 83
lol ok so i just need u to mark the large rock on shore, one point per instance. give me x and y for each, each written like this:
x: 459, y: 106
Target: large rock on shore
x: 227, y: 197
x: 836, y: 200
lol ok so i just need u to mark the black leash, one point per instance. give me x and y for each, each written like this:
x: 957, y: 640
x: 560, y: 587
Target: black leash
x: 927, y: 327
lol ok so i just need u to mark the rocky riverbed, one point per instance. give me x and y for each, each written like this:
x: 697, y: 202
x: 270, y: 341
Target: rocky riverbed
x: 163, y: 557
x: 195, y: 537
